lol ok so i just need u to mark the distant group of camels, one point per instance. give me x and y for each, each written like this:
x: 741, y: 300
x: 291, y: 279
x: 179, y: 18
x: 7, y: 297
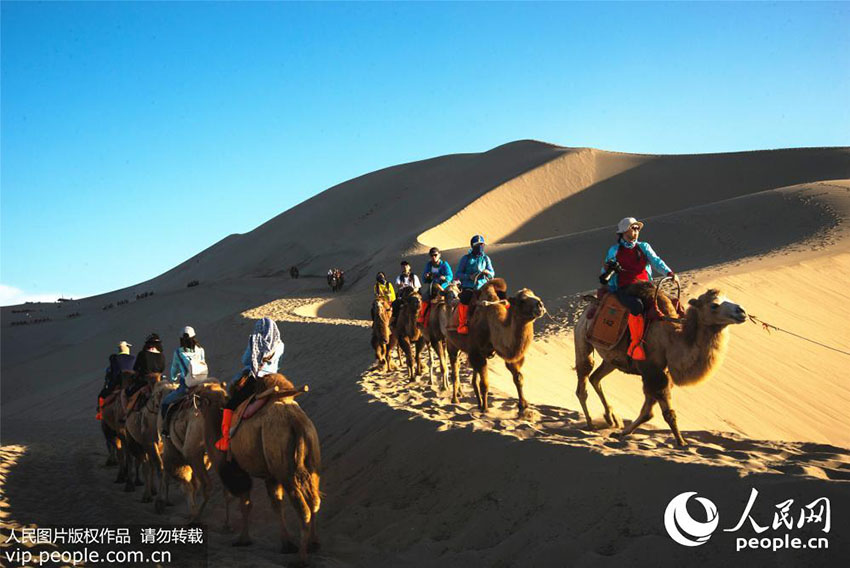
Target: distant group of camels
x: 279, y: 444
x: 680, y: 351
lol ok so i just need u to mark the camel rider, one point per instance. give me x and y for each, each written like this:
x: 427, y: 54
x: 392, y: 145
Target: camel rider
x: 474, y: 270
x: 437, y: 272
x: 121, y: 362
x: 630, y: 261
x: 149, y: 361
x: 384, y: 288
x: 262, y: 356
x: 188, y: 367
x: 407, y: 279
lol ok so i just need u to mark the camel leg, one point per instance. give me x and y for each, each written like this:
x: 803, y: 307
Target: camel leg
x: 275, y: 492
x: 200, y: 484
x: 455, y: 364
x: 514, y: 368
x: 584, y: 365
x: 418, y: 345
x: 670, y: 417
x: 245, y: 506
x: 147, y: 497
x: 596, y: 380
x: 479, y: 367
x: 408, y: 354
x: 645, y: 414
x: 132, y: 465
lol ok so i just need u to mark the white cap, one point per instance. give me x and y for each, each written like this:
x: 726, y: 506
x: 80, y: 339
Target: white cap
x: 124, y: 347
x: 627, y: 222
x: 189, y: 330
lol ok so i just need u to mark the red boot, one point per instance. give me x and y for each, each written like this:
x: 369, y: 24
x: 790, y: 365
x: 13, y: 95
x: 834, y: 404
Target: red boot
x: 99, y: 415
x: 224, y: 443
x: 636, y: 326
x: 462, y: 311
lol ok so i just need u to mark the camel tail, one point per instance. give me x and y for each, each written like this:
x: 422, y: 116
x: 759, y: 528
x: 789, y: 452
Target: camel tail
x: 306, y: 461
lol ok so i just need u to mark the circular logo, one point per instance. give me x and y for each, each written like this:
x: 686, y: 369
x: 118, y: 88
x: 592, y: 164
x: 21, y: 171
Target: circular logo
x: 682, y: 527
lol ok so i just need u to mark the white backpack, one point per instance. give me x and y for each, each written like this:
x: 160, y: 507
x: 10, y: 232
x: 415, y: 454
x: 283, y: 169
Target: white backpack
x: 198, y: 372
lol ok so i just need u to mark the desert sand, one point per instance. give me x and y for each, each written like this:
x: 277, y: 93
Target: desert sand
x: 412, y: 480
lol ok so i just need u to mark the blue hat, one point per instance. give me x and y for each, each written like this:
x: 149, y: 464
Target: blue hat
x: 477, y: 240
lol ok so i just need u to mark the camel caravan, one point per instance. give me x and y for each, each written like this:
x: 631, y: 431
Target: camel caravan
x: 631, y: 324
x: 193, y: 428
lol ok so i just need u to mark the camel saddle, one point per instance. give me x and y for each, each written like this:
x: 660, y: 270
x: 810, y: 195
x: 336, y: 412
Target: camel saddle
x: 134, y: 400
x: 254, y: 403
x: 110, y: 397
x: 610, y: 322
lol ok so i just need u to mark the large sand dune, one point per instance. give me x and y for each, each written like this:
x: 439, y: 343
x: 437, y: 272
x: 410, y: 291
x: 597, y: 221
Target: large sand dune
x: 412, y: 480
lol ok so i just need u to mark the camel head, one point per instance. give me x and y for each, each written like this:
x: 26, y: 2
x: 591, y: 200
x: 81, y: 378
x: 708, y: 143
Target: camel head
x: 712, y: 308
x: 413, y: 303
x: 529, y: 307
x: 161, y: 389
x: 381, y: 319
x: 209, y: 395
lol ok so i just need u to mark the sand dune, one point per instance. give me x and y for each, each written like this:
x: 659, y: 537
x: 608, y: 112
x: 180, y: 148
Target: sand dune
x: 412, y: 480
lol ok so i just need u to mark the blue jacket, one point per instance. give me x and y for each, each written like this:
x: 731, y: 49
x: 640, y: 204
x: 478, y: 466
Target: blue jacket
x: 652, y: 261
x: 469, y: 266
x: 444, y: 269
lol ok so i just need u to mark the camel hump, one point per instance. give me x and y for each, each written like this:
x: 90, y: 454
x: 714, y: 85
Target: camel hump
x: 273, y: 380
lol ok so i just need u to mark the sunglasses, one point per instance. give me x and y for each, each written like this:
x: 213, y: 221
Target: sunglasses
x: 434, y: 255
x: 635, y: 227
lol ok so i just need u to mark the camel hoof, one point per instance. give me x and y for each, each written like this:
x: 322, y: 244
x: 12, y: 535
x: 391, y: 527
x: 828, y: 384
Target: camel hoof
x: 613, y: 421
x: 159, y: 506
x: 242, y: 542
x: 288, y: 548
x: 682, y: 443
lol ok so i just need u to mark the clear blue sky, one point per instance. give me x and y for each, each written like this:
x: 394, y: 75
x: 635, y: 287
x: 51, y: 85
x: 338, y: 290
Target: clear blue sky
x: 135, y: 135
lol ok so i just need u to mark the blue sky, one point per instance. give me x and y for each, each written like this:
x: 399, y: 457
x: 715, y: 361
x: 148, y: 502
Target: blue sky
x: 135, y: 135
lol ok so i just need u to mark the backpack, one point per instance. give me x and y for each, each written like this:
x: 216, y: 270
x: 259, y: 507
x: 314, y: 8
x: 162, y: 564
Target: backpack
x: 197, y: 371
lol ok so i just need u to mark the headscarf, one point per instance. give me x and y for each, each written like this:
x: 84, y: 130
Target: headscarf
x: 264, y: 339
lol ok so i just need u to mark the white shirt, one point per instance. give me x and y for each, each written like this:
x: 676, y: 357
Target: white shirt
x: 411, y: 280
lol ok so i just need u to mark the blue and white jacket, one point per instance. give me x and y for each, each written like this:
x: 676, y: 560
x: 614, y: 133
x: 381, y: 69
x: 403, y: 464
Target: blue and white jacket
x: 469, y: 266
x: 652, y: 261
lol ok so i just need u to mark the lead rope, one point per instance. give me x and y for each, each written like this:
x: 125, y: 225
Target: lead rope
x: 767, y: 327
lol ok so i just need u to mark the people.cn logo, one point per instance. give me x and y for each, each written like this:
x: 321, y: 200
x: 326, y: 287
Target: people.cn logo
x: 683, y: 528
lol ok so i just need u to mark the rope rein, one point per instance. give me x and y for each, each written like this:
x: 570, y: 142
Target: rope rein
x: 767, y: 327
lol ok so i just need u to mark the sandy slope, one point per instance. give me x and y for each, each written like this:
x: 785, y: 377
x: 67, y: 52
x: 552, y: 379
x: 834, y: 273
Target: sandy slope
x: 412, y: 480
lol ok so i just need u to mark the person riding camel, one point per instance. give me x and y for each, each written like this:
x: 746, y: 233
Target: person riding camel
x: 188, y: 367
x: 384, y: 288
x: 149, y: 361
x: 437, y: 272
x: 262, y: 357
x: 121, y: 362
x: 627, y: 262
x: 407, y: 279
x: 474, y: 270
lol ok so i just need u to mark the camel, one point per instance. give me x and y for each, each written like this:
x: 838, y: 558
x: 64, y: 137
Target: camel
x: 381, y: 334
x: 438, y: 319
x: 503, y: 326
x: 184, y: 453
x: 142, y: 428
x: 677, y: 353
x: 408, y: 334
x: 143, y: 437
x: 114, y: 415
x: 280, y: 445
